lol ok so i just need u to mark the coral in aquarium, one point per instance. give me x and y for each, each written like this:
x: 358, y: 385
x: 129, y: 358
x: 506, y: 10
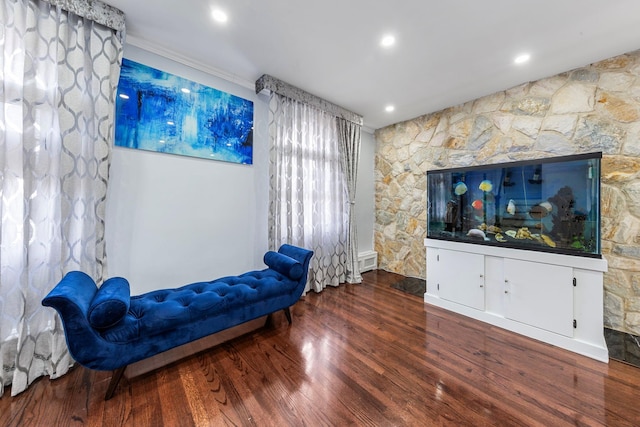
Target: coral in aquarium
x: 568, y: 226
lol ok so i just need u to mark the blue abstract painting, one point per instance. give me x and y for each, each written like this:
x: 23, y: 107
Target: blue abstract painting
x: 158, y: 111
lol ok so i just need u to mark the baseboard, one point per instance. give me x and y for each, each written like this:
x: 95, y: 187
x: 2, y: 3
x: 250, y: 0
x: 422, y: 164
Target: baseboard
x: 367, y: 261
x: 594, y: 350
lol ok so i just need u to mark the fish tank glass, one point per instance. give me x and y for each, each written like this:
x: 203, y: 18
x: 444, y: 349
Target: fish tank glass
x: 550, y: 205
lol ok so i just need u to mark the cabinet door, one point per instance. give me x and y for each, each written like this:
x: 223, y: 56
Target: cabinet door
x: 433, y: 271
x: 461, y: 278
x: 539, y: 295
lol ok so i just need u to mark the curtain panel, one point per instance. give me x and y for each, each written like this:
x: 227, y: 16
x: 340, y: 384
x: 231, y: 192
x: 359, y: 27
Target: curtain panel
x: 59, y: 77
x: 349, y: 138
x: 308, y: 200
x: 333, y: 134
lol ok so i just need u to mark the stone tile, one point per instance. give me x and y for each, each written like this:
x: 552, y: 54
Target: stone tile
x: 623, y: 346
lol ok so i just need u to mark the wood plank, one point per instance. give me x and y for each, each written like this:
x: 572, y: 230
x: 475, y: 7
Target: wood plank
x: 363, y: 354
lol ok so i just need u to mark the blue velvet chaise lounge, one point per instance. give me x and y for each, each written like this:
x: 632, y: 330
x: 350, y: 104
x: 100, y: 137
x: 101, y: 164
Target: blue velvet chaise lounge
x: 107, y: 329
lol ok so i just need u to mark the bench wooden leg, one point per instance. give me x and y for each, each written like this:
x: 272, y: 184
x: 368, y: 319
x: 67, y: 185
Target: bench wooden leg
x: 268, y: 323
x: 288, y: 314
x: 115, y: 379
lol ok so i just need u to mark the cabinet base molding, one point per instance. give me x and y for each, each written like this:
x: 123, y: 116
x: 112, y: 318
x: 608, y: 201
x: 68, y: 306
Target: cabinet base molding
x: 592, y: 350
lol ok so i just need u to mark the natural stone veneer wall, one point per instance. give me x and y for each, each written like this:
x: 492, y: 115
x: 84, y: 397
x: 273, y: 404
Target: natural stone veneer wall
x: 596, y: 108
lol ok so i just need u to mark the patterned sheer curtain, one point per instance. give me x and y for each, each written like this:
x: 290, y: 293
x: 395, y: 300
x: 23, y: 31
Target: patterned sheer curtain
x: 308, y: 201
x: 59, y: 73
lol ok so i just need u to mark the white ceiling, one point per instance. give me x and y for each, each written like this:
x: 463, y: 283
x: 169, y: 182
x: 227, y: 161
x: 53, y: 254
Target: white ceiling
x: 447, y: 51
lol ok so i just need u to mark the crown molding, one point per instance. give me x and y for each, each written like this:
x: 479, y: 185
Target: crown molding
x: 200, y: 66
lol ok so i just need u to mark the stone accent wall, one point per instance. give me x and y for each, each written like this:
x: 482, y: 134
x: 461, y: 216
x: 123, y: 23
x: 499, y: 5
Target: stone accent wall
x: 595, y: 108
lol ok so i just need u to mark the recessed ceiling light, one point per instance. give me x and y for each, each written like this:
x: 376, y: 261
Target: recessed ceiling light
x: 389, y: 108
x: 521, y: 59
x: 219, y: 16
x: 185, y: 90
x: 388, y: 41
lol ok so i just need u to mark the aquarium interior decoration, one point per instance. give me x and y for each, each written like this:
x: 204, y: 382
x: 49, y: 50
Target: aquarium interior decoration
x: 550, y: 205
x: 158, y: 111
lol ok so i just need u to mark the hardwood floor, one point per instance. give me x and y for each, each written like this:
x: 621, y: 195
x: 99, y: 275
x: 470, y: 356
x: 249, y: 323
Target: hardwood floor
x: 355, y: 355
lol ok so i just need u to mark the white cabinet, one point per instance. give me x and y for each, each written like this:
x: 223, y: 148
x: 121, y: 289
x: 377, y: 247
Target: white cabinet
x: 459, y: 277
x: 539, y: 295
x: 553, y: 298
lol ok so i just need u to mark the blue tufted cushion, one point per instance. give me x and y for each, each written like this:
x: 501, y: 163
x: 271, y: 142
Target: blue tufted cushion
x: 110, y: 304
x: 284, y: 265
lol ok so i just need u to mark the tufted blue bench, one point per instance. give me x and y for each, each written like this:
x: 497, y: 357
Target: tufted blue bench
x: 107, y: 329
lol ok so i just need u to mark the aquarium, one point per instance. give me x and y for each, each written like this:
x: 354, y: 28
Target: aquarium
x: 550, y: 205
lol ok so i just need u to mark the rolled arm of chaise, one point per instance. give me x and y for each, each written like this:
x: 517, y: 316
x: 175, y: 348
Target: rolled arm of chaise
x: 303, y: 256
x: 71, y: 298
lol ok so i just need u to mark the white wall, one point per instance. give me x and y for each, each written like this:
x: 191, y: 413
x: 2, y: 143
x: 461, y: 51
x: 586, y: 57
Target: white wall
x: 173, y: 220
x: 365, y: 193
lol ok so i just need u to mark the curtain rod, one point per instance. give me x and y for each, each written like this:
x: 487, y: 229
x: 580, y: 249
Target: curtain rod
x: 95, y: 10
x: 270, y: 83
